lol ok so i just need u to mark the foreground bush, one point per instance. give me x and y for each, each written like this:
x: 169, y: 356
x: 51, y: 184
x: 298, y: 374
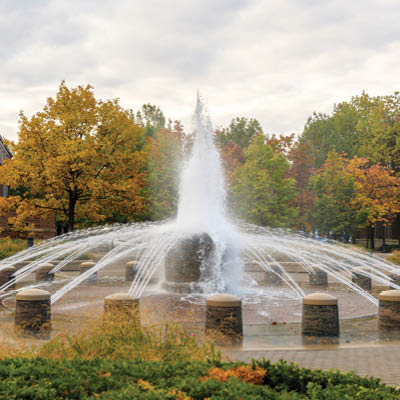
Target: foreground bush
x: 39, y: 378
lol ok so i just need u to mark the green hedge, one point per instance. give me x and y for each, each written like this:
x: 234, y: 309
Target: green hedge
x: 44, y: 379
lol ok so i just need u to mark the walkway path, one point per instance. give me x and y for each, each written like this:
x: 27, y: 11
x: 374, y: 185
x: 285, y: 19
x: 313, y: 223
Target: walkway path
x: 381, y: 361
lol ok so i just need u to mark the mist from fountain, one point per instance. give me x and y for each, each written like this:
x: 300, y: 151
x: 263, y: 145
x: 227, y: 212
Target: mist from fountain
x: 201, y: 210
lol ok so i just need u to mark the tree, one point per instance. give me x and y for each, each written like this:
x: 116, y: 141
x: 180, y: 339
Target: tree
x: 301, y: 169
x: 377, y: 193
x: 80, y: 158
x: 334, y: 192
x: 261, y: 191
x: 240, y: 132
x: 379, y: 127
x: 337, y: 132
x: 165, y: 156
x: 232, y: 157
x: 151, y: 118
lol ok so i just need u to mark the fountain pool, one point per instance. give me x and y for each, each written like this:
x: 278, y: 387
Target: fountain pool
x: 179, y: 262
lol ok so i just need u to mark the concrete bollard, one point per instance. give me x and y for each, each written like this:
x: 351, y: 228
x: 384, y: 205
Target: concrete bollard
x: 320, y: 315
x: 395, y: 276
x: 318, y: 277
x: 124, y: 303
x: 130, y: 271
x: 42, y: 273
x: 361, y: 276
x: 389, y: 311
x: 86, y: 266
x: 6, y: 275
x: 33, y: 311
x: 224, y: 316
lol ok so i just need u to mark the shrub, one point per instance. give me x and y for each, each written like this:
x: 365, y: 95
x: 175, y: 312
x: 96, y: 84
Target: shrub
x: 40, y: 378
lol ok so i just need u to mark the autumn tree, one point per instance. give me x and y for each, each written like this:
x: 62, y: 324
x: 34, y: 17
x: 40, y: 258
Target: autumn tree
x: 232, y: 157
x: 164, y: 160
x: 261, y: 191
x: 377, y: 193
x: 80, y: 158
x: 301, y: 168
x: 349, y: 194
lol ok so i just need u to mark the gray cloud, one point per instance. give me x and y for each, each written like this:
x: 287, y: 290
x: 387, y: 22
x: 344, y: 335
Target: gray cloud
x: 276, y: 60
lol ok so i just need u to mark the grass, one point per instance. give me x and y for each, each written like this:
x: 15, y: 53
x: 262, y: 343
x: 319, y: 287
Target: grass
x: 117, y: 336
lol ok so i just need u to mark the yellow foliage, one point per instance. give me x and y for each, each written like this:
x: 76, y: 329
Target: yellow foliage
x: 80, y: 157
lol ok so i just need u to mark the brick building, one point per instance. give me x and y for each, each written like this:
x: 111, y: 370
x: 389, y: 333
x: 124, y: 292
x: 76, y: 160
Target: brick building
x: 45, y: 228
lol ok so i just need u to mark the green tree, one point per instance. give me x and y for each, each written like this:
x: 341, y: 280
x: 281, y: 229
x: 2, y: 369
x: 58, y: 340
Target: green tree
x: 379, y: 128
x: 337, y: 132
x: 261, y: 192
x: 334, y: 190
x: 240, y: 132
x: 151, y: 118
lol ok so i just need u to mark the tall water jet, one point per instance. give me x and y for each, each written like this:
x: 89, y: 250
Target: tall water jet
x: 207, y: 259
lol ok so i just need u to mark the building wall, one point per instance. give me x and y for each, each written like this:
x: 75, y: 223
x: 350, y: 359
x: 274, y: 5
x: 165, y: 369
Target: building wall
x: 45, y: 228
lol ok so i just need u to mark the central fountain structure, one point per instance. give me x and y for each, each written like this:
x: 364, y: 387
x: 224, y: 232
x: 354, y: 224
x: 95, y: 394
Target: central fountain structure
x: 202, y: 252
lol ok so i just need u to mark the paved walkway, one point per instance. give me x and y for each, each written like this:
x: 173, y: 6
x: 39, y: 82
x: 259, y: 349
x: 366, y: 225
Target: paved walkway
x: 381, y: 361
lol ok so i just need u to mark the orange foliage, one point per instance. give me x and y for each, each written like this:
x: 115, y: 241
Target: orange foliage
x: 232, y: 156
x: 282, y: 144
x: 377, y: 190
x: 246, y: 374
x: 146, y: 385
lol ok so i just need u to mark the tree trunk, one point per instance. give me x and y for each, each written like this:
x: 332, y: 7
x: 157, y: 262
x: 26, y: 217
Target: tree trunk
x: 71, y: 210
x: 384, y: 250
x: 372, y: 237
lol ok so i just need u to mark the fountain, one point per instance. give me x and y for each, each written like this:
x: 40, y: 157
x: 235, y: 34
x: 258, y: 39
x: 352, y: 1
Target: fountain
x: 201, y: 252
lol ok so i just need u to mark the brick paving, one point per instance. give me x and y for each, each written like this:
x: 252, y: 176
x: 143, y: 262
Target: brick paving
x: 379, y: 361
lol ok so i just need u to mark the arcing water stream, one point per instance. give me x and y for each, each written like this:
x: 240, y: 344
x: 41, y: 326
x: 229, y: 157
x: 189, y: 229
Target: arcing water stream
x: 201, y: 210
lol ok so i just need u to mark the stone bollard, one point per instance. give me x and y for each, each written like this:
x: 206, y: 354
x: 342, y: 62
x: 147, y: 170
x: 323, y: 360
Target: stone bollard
x: 130, y: 271
x: 33, y: 311
x: 224, y: 316
x: 86, y: 266
x: 389, y: 312
x: 318, y: 277
x: 42, y: 273
x: 320, y: 315
x: 395, y: 276
x: 361, y: 276
x: 6, y: 275
x: 124, y: 303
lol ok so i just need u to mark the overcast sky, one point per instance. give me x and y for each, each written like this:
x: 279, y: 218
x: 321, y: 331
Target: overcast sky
x: 274, y: 60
